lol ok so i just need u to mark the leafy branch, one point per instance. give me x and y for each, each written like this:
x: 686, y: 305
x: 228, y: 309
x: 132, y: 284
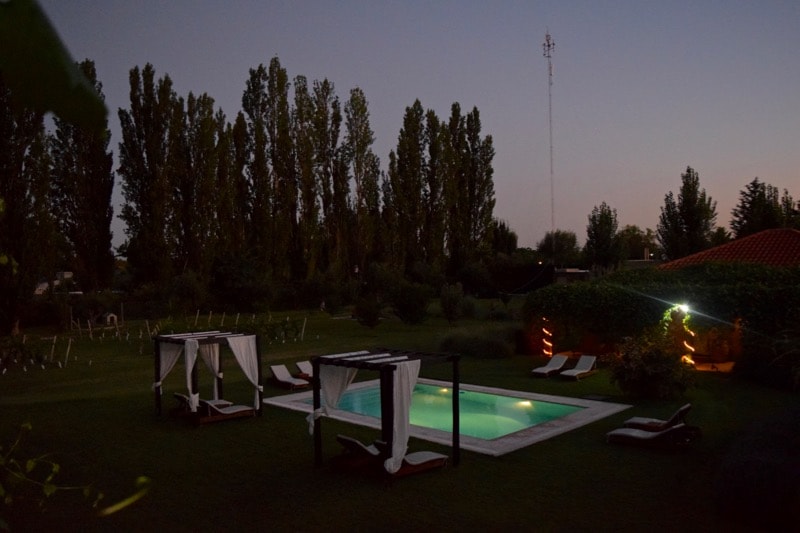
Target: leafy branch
x: 34, y: 478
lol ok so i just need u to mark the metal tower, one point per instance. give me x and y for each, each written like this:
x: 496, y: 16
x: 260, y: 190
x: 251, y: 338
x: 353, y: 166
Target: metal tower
x: 547, y: 51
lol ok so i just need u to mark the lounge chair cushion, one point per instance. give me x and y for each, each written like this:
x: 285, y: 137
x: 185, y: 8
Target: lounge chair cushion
x: 306, y: 370
x: 416, y: 462
x: 282, y: 376
x: 656, y: 424
x: 584, y: 367
x: 356, y: 447
x: 212, y: 411
x: 679, y: 435
x: 555, y: 364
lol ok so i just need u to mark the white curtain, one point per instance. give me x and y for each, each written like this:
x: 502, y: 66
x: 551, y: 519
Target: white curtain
x: 169, y: 355
x: 191, y: 346
x: 244, y: 349
x: 333, y: 381
x: 405, y: 377
x: 209, y: 353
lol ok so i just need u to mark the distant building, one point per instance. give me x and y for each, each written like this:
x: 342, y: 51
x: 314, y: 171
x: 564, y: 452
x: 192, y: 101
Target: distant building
x: 60, y: 278
x: 779, y: 247
x: 568, y: 275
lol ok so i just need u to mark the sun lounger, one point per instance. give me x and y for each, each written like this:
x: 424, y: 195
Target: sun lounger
x: 584, y: 367
x: 416, y: 462
x: 184, y: 407
x: 555, y: 364
x: 357, y: 448
x: 356, y: 454
x: 212, y: 411
x: 676, y: 436
x: 656, y: 424
x: 281, y: 375
x: 306, y: 370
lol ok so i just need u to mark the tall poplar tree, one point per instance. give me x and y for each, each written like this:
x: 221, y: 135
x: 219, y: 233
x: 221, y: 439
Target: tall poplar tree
x: 143, y: 156
x: 27, y: 237
x: 432, y: 232
x: 469, y: 188
x: 327, y: 124
x: 195, y: 195
x: 364, y: 167
x: 231, y: 188
x: 83, y: 183
x: 254, y: 105
x: 480, y: 182
x: 283, y: 212
x: 308, y: 229
x: 406, y: 181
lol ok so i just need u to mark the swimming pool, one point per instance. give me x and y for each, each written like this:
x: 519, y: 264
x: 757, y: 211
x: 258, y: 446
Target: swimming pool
x: 483, y: 415
x: 500, y: 422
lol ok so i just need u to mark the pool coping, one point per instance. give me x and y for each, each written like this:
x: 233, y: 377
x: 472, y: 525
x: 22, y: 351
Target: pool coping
x: 593, y: 411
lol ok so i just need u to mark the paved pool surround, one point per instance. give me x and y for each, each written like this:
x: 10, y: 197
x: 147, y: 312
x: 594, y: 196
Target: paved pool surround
x: 592, y: 411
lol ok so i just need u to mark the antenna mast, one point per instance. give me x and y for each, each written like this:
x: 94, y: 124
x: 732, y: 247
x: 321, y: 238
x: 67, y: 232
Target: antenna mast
x: 547, y: 51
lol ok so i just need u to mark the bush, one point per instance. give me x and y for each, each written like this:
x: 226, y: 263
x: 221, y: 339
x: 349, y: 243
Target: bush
x: 650, y: 366
x: 451, y: 298
x: 368, y: 311
x: 467, y: 307
x: 187, y: 292
x: 239, y: 284
x: 765, y: 300
x: 410, y: 302
x: 494, y: 343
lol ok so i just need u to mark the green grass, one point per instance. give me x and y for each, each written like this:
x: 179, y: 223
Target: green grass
x: 98, y: 422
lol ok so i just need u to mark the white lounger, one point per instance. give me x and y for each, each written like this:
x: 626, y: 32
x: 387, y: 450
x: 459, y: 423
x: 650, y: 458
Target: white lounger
x: 306, y: 369
x: 283, y: 377
x: 585, y: 367
x: 656, y: 424
x: 555, y: 364
x: 421, y: 461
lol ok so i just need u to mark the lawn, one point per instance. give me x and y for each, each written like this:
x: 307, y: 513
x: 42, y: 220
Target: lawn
x: 96, y: 418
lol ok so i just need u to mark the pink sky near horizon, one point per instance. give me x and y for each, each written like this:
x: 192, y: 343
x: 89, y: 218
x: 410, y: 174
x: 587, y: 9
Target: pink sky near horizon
x: 642, y: 89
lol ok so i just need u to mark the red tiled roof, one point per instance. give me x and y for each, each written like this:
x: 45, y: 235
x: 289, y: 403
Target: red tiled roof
x: 778, y: 247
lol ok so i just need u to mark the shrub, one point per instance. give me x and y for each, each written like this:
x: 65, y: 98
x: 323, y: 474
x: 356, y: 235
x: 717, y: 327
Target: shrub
x: 368, y: 311
x: 490, y: 343
x: 187, y: 292
x: 467, y: 307
x: 451, y: 297
x: 650, y: 366
x: 410, y: 302
x: 239, y: 283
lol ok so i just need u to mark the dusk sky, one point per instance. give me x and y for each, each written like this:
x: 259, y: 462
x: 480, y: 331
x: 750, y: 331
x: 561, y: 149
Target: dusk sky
x: 641, y: 88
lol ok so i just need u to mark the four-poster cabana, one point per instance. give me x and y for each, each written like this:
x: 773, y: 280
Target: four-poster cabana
x: 398, y: 371
x: 205, y: 345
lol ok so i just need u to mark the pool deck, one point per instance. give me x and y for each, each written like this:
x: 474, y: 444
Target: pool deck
x: 592, y: 412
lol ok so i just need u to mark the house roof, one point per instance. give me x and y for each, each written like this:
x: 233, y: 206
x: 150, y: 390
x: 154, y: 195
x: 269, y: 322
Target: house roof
x: 778, y: 247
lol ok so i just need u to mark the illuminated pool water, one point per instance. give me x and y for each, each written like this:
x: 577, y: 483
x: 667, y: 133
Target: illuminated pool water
x: 483, y: 415
x: 505, y: 420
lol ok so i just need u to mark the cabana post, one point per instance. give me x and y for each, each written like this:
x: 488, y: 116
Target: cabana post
x: 387, y: 409
x: 157, y: 378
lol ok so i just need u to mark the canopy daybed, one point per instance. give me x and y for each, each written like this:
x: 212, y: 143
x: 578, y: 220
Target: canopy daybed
x: 205, y: 345
x: 398, y: 371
